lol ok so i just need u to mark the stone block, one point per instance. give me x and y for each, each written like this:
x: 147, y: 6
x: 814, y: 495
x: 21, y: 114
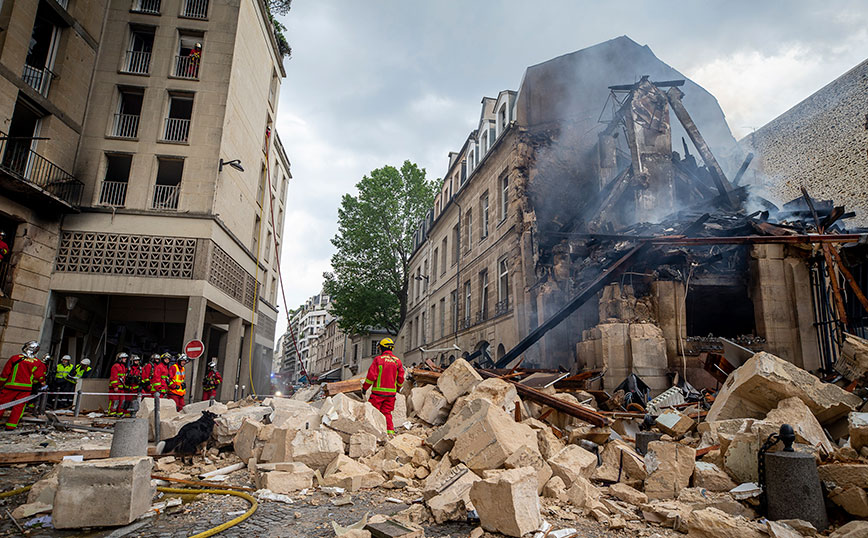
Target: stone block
x: 491, y: 438
x: 583, y: 494
x: 711, y: 477
x: 620, y: 462
x: 457, y: 380
x: 227, y: 424
x: 347, y: 473
x: 171, y: 426
x: 448, y: 497
x: 43, y: 490
x: 858, y: 426
x: 508, y: 503
x: 277, y: 447
x: 852, y: 499
x: 756, y: 387
x: 287, y: 478
x: 549, y: 444
x: 555, y: 489
x: 245, y: 440
x: 845, y: 474
x: 146, y: 410
x: 669, y: 467
x: 293, y: 414
x: 399, y: 414
x: 713, y: 523
x: 196, y: 408
x: 572, y: 462
x: 402, y: 447
x: 435, y: 408
x: 102, y: 493
x: 853, y: 529
x: 315, y: 448
x: 628, y: 494
x: 348, y: 416
x: 528, y: 457
x: 417, y: 398
x: 362, y: 445
x: 794, y: 412
x: 496, y: 391
x: 674, y: 423
x: 443, y: 438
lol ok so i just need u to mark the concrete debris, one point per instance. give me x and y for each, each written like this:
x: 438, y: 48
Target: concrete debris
x: 315, y: 448
x: 526, y: 456
x: 490, y: 438
x: 31, y: 509
x: 434, y: 409
x: 620, y: 462
x: 457, y: 380
x: 227, y: 424
x: 245, y: 440
x: 796, y: 413
x: 573, y: 462
x: 402, y: 448
x: 287, y: 477
x: 713, y: 523
x: 451, y: 496
x: 628, y: 494
x: 362, y: 445
x: 555, y: 489
x: 858, y: 427
x: 508, y: 503
x: 146, y: 410
x: 756, y: 387
x: 854, y: 529
x: 293, y: 414
x: 102, y: 493
x: 711, y: 477
x: 852, y: 499
x: 674, y: 423
x: 583, y: 494
x: 347, y: 473
x: 669, y: 466
x: 347, y: 416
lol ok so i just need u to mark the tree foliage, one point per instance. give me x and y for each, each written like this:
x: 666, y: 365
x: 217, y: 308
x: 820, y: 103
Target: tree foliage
x: 370, y: 270
x: 280, y: 7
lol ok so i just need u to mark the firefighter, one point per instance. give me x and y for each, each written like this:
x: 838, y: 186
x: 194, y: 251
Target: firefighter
x: 211, y: 382
x: 116, y: 384
x: 195, y: 57
x: 81, y: 370
x: 147, y: 374
x: 178, y: 381
x: 132, y: 383
x: 160, y: 377
x: 16, y: 381
x: 386, y: 374
x: 4, y: 247
x: 40, y: 378
x: 61, y: 380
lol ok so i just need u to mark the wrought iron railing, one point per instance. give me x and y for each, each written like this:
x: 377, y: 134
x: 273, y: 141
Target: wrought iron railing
x: 38, y: 78
x: 126, y: 126
x: 138, y: 62
x: 166, y: 197
x: 19, y: 161
x: 187, y: 67
x: 151, y: 7
x: 501, y: 307
x: 176, y: 130
x: 196, y: 9
x: 113, y: 193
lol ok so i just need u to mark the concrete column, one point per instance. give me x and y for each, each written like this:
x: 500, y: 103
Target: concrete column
x: 774, y: 307
x: 244, y: 374
x: 194, y: 330
x: 230, y: 361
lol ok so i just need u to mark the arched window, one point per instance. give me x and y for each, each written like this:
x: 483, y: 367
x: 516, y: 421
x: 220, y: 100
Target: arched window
x: 500, y: 351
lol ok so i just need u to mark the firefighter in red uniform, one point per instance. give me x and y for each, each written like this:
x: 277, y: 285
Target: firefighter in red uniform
x: 116, y: 384
x: 160, y: 377
x: 211, y: 382
x: 386, y: 374
x: 132, y: 383
x: 16, y: 381
x: 178, y: 382
x: 147, y: 373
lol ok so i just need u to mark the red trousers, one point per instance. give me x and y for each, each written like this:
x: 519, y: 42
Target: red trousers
x: 385, y: 404
x: 209, y: 394
x: 178, y: 399
x: 115, y: 401
x: 10, y: 395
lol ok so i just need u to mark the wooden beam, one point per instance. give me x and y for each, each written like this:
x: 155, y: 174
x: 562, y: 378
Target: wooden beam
x: 54, y: 456
x: 338, y: 387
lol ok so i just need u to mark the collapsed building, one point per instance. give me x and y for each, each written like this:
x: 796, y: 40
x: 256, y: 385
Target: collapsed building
x: 583, y: 165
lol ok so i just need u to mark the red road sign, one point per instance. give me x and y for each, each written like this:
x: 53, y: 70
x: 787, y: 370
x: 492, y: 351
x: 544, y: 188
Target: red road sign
x: 194, y: 349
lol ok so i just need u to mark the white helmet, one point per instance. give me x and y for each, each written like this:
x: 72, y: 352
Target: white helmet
x: 212, y: 364
x: 85, y: 362
x: 66, y: 358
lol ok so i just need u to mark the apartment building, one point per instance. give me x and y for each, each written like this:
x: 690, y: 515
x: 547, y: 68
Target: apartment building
x: 48, y: 50
x: 149, y: 126
x: 305, y: 323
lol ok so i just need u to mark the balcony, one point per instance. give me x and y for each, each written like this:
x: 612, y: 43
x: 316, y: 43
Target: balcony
x: 38, y: 78
x: 126, y: 126
x: 176, y: 130
x: 501, y: 307
x: 166, y: 197
x: 138, y: 62
x: 195, y: 9
x: 34, y: 174
x: 113, y: 193
x: 187, y: 67
x: 150, y: 7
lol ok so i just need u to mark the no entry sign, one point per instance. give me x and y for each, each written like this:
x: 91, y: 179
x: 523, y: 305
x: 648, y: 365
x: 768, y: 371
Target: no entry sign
x: 194, y: 349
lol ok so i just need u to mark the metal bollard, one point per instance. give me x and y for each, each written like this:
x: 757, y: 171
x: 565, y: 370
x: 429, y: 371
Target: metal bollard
x: 77, y: 406
x: 43, y: 401
x: 156, y: 417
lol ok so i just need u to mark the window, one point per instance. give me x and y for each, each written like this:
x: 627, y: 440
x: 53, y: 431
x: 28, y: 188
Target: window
x: 483, y: 297
x: 433, y: 319
x: 422, y: 331
x: 189, y: 56
x: 138, y: 59
x: 503, y: 283
x: 467, y: 304
x: 257, y: 225
x: 418, y: 283
x: 484, y: 144
x: 41, y: 54
x: 374, y: 348
x: 195, y: 9
x: 168, y: 185
x: 456, y: 244
x: 468, y: 223
x: 442, y: 317
x: 177, y: 126
x: 272, y: 93
x: 267, y: 252
x: 260, y: 191
x: 355, y: 353
x: 502, y: 117
x: 126, y: 121
x: 504, y: 196
x: 151, y: 7
x: 454, y: 297
x: 114, y: 186
x: 443, y: 261
x: 434, y: 260
x: 425, y: 278
x: 273, y: 290
x: 483, y: 209
x: 463, y: 172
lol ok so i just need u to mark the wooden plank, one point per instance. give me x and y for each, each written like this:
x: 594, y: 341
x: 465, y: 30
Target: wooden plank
x: 338, y: 387
x: 54, y: 456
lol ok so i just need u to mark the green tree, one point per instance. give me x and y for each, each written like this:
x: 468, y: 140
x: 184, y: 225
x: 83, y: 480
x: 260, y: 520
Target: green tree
x: 370, y: 270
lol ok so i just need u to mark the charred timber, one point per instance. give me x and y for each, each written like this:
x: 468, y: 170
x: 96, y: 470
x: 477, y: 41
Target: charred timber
x: 759, y: 239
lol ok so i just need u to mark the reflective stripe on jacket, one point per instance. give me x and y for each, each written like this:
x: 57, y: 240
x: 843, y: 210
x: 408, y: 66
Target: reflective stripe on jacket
x: 177, y: 381
x: 386, y: 374
x: 63, y: 371
x: 116, y: 376
x: 160, y: 378
x: 18, y: 372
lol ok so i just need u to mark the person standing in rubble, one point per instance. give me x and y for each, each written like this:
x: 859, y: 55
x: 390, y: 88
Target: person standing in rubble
x: 386, y: 374
x: 132, y: 383
x: 61, y: 381
x: 178, y: 381
x: 211, y: 382
x: 148, y: 373
x: 116, y: 384
x: 16, y: 381
x: 160, y: 376
x: 40, y: 378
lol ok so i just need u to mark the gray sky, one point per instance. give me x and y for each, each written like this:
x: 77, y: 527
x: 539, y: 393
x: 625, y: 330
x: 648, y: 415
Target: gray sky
x: 376, y: 82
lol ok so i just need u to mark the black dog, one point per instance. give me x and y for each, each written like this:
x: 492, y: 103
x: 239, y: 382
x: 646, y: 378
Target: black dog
x: 190, y: 437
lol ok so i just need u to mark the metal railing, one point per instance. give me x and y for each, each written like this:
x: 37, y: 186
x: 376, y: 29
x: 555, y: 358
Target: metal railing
x: 176, y: 130
x: 166, y: 196
x: 187, y: 67
x: 19, y: 161
x: 151, y: 7
x: 126, y: 126
x: 113, y: 193
x: 501, y: 307
x: 38, y: 78
x: 196, y: 9
x: 138, y: 62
